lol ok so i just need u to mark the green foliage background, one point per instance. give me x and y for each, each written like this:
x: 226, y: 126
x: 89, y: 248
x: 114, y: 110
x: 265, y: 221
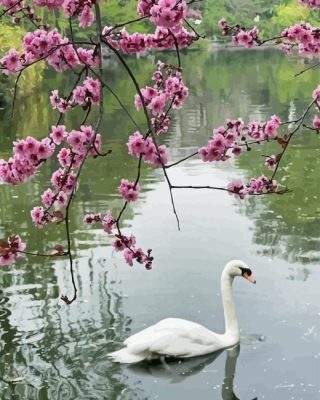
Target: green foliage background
x: 270, y: 16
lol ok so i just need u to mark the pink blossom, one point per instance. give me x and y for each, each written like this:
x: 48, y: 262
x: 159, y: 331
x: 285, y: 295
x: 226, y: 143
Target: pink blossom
x: 271, y: 162
x: 56, y: 178
x: 157, y: 104
x: 45, y: 149
x: 86, y: 17
x: 62, y: 199
x: 236, y: 188
x: 168, y: 13
x: 118, y: 245
x: 136, y: 144
x: 14, y: 246
x: 7, y: 259
x: 58, y: 133
x: 37, y: 215
x: 286, y: 48
x: 128, y: 190
x: 222, y: 23
x: 144, y: 7
x: 261, y: 185
x: 108, y: 222
x: 64, y: 157
x: 128, y: 256
x: 76, y: 139
x: 88, y: 57
x: 47, y: 198
x: 316, y: 122
x: 311, y: 3
x: 305, y: 36
x: 237, y: 150
x: 160, y: 39
x: 91, y: 218
x: 316, y: 93
x: 11, y: 62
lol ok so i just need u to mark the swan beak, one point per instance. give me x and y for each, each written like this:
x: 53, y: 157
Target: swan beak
x: 249, y: 278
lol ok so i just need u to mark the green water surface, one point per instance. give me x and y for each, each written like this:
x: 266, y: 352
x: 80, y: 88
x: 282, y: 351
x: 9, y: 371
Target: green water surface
x: 54, y: 351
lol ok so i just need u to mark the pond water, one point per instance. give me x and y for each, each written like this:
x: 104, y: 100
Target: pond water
x: 53, y: 351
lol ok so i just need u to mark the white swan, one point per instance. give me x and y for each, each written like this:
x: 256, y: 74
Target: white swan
x: 175, y: 337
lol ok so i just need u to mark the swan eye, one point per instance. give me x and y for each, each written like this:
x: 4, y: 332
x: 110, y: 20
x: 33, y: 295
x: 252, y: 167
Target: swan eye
x: 246, y: 271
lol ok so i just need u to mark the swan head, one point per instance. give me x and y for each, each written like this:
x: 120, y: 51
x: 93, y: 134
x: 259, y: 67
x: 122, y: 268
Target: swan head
x: 239, y: 268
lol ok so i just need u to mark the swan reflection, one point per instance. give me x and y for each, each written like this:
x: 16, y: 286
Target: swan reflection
x: 177, y: 370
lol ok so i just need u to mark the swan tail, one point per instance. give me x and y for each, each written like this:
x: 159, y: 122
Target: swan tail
x: 124, y: 356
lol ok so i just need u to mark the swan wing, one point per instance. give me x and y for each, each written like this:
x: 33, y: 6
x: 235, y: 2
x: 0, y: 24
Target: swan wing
x: 175, y: 337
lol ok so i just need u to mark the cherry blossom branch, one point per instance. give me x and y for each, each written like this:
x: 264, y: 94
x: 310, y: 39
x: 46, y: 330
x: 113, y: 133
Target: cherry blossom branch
x: 121, y: 25
x: 29, y: 253
x: 307, y: 69
x: 133, y: 78
x: 311, y: 128
x: 280, y: 192
x: 50, y: 52
x: 149, y: 131
x: 168, y: 181
x: 69, y: 252
x: 181, y: 160
x: 193, y: 29
x: 15, y: 93
x: 301, y: 119
x: 176, y: 46
x: 10, y: 8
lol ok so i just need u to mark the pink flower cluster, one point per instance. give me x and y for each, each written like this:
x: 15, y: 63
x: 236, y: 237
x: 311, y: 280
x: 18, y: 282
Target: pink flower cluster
x: 306, y: 36
x: 311, y: 3
x: 122, y: 243
x: 240, y: 37
x: 85, y: 96
x: 256, y: 186
x: 129, y: 190
x: 164, y: 13
x: 139, y: 42
x: 82, y: 143
x: 232, y: 137
x: 82, y: 9
x: 246, y: 38
x: 28, y: 154
x: 168, y: 13
x: 107, y: 220
x: 126, y: 245
x: 10, y: 249
x: 168, y: 87
x: 11, y: 62
x: 51, y: 46
x: 271, y: 162
x: 138, y: 146
x: 63, y: 182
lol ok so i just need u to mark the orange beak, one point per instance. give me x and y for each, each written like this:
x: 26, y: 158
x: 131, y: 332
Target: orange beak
x: 249, y: 278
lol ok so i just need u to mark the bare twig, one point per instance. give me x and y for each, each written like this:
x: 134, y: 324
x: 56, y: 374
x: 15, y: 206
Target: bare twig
x: 15, y: 93
x: 307, y: 69
x: 301, y: 119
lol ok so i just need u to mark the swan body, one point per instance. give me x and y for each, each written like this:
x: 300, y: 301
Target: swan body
x: 175, y: 337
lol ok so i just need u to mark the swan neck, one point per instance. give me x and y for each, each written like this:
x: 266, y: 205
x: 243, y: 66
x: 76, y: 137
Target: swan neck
x: 230, y: 318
